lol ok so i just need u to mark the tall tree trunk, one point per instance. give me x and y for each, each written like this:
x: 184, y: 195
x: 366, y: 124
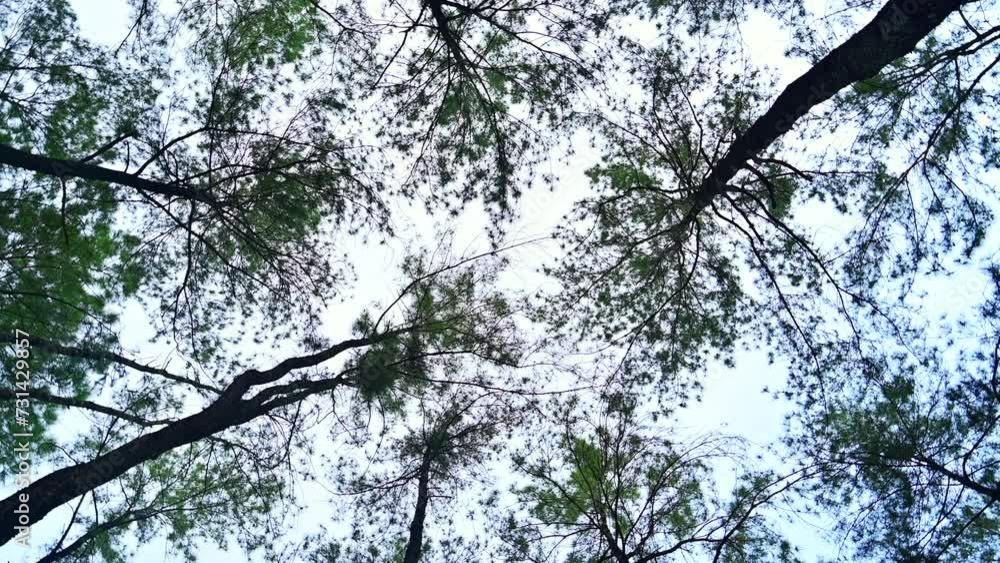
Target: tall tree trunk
x: 63, y: 485
x: 229, y: 410
x: 415, y: 543
x: 617, y: 552
x: 893, y: 33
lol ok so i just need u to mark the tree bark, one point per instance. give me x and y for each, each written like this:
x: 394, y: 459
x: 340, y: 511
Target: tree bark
x: 63, y: 485
x: 60, y: 168
x: 227, y: 411
x: 990, y: 492
x: 617, y: 552
x: 45, y: 396
x: 415, y: 543
x: 103, y: 355
x: 894, y: 32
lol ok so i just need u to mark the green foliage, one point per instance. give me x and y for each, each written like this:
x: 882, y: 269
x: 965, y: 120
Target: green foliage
x: 195, y: 494
x: 444, y: 317
x: 894, y: 450
x: 258, y: 34
x: 64, y: 260
x: 613, y: 490
x: 468, y: 90
x: 634, y: 278
x: 442, y: 443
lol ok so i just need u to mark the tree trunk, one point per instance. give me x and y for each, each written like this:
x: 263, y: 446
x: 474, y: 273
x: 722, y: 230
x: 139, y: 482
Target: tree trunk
x: 229, y: 410
x: 415, y: 543
x: 895, y: 32
x: 63, y: 485
x: 617, y: 552
x: 60, y: 168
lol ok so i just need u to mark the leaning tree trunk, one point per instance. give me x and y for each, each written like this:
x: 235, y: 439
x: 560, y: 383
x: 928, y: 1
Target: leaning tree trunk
x: 893, y: 33
x: 230, y: 409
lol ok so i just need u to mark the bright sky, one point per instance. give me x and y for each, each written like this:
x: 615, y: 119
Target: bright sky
x: 733, y: 401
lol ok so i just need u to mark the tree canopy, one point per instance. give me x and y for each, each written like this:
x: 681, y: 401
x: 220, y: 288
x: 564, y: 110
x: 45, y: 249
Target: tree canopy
x: 239, y: 284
